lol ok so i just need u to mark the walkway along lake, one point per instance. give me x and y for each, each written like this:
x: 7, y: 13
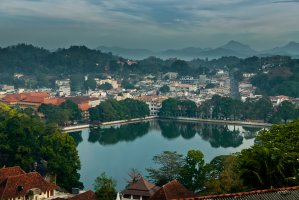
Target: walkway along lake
x: 117, y: 149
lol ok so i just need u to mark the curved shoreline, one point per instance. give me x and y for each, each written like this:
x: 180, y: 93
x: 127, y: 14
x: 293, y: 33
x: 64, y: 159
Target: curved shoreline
x: 186, y: 119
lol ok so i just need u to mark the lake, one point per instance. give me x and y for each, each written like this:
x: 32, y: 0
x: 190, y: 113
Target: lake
x: 116, y: 149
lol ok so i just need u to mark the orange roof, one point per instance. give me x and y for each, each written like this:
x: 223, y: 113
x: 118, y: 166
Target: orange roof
x: 36, y: 97
x: 172, y: 190
x: 10, y: 171
x: 54, y: 101
x: 24, y: 182
x: 84, y: 106
x: 89, y: 195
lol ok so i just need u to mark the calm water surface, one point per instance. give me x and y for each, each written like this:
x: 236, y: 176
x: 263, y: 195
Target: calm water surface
x: 115, y: 150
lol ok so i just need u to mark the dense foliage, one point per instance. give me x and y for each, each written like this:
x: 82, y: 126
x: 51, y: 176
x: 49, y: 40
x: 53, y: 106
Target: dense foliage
x: 67, y: 111
x: 227, y: 108
x: 105, y: 187
x: 25, y: 140
x: 175, y: 107
x: 111, y: 110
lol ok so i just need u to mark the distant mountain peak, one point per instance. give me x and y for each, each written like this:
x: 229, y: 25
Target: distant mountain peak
x: 292, y: 43
x: 239, y: 48
x: 234, y: 43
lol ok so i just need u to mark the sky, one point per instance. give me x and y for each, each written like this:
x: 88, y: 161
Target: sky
x: 149, y: 24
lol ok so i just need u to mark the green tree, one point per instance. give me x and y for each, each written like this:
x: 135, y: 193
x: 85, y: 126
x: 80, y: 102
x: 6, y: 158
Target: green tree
x: 286, y: 110
x: 105, y: 86
x: 105, y: 187
x: 192, y: 174
x: 90, y: 84
x: 59, y: 149
x: 73, y: 109
x: 170, y: 165
x: 164, y: 89
x: 222, y: 176
x: 77, y: 82
x: 25, y: 140
x: 174, y: 107
x: 273, y: 160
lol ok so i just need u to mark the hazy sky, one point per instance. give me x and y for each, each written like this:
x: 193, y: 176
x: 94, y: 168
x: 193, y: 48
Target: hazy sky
x: 152, y: 24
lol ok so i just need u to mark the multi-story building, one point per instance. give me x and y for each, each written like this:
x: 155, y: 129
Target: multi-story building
x: 64, y: 87
x: 154, y: 103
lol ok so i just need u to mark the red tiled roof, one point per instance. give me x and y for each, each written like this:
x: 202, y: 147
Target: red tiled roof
x: 172, y: 190
x: 10, y: 171
x: 36, y: 97
x: 141, y: 188
x: 84, y: 106
x: 54, y: 101
x: 89, y: 195
x: 9, y: 187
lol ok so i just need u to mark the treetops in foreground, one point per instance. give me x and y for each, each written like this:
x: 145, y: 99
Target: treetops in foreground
x: 25, y: 141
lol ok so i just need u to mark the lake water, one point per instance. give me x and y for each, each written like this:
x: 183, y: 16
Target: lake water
x: 115, y: 150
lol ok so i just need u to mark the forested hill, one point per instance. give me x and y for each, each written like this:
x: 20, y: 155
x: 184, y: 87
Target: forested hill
x: 28, y: 59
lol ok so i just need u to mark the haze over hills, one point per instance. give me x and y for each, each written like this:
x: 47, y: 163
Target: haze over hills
x: 232, y: 48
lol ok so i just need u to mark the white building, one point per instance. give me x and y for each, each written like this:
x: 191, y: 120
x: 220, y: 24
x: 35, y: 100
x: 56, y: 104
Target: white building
x: 154, y: 103
x: 64, y: 87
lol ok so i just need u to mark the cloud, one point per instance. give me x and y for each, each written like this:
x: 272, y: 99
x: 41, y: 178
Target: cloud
x: 155, y: 22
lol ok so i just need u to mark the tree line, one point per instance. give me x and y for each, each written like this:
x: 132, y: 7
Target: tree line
x: 65, y: 112
x: 231, y: 109
x: 112, y: 110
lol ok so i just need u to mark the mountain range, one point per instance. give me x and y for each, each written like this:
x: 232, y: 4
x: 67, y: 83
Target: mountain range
x: 232, y: 48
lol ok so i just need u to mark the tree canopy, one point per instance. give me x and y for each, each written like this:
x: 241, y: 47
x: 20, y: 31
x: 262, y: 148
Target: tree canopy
x: 25, y: 140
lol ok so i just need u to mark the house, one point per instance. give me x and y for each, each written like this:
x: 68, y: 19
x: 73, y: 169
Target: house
x: 84, y: 103
x: 142, y: 189
x: 64, y: 87
x: 277, y: 100
x: 154, y: 103
x: 16, y: 184
x: 173, y: 190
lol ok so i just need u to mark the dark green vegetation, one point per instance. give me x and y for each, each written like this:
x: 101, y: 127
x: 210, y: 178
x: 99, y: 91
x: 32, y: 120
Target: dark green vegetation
x: 25, y: 140
x: 111, y: 110
x: 276, y: 75
x: 105, y: 187
x: 227, y: 108
x: 67, y: 111
x: 113, y: 135
x: 271, y: 162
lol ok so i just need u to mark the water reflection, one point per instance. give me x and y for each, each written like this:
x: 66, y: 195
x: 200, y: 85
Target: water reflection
x: 217, y: 135
x: 117, y: 149
x: 77, y: 135
x: 113, y: 135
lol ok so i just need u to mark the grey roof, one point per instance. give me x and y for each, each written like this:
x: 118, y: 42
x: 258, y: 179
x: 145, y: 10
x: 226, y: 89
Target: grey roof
x: 291, y: 193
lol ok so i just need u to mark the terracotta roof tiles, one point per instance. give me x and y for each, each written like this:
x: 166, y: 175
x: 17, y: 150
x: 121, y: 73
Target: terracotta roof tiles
x: 172, y: 190
x: 10, y: 171
x: 141, y: 188
x: 26, y: 182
